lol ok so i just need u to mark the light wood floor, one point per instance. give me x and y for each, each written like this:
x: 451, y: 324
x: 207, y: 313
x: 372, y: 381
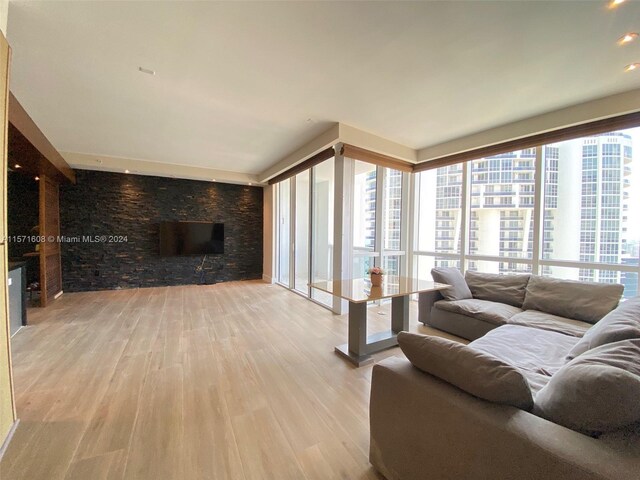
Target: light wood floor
x: 230, y: 381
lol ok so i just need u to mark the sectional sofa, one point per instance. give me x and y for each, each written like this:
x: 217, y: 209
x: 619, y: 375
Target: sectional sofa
x: 526, y: 400
x: 480, y: 302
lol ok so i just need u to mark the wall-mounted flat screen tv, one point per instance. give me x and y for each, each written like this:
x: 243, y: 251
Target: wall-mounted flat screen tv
x: 191, y: 238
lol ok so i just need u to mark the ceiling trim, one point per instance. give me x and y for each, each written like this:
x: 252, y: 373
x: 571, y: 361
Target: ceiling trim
x: 374, y: 143
x: 587, y: 112
x: 596, y: 127
x: 364, y: 155
x: 323, y: 141
x: 306, y: 165
x: 84, y: 161
x: 341, y: 133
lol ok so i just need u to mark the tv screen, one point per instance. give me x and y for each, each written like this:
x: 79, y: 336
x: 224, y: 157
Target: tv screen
x: 191, y: 238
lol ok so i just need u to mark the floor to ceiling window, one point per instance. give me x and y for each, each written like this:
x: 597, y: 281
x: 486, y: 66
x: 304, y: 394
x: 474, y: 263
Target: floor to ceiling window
x: 591, y: 227
x: 438, y: 219
x: 378, y: 227
x: 583, y: 224
x: 306, y: 215
x: 501, y: 214
x: 365, y: 195
x: 393, y: 251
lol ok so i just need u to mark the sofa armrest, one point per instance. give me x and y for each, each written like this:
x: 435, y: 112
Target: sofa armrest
x: 421, y: 426
x: 426, y: 300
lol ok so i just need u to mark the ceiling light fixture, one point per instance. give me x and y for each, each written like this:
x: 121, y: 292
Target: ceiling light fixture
x: 213, y: 179
x: 17, y: 166
x: 126, y: 171
x: 36, y: 178
x: 250, y: 183
x: 631, y: 67
x: 147, y: 71
x: 627, y: 38
x: 615, y: 3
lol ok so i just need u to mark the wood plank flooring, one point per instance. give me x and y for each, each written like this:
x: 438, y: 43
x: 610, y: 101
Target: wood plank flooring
x: 230, y: 381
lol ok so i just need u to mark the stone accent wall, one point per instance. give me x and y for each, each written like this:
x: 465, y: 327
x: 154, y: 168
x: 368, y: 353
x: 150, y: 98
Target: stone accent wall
x: 114, y: 204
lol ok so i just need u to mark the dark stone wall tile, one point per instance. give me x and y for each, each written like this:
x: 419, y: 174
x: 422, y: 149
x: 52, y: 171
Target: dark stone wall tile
x: 114, y: 204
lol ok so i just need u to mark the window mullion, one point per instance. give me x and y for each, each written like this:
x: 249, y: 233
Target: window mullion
x: 465, y: 214
x: 380, y: 214
x: 538, y: 209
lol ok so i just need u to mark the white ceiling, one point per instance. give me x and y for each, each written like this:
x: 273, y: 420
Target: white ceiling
x: 240, y: 85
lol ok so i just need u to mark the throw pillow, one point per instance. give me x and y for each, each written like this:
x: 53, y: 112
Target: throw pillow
x: 595, y: 392
x: 586, y: 301
x: 493, y: 287
x: 451, y: 276
x: 623, y: 323
x: 475, y: 372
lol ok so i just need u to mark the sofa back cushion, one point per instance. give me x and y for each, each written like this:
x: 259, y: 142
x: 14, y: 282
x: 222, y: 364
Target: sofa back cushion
x: 509, y: 289
x: 473, y: 371
x: 595, y: 392
x: 584, y: 301
x: 622, y: 323
x: 451, y: 276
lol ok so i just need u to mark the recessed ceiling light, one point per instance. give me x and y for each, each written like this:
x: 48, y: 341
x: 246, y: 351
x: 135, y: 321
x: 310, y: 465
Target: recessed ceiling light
x: 213, y: 179
x: 126, y: 171
x: 631, y: 67
x: 147, y: 71
x: 17, y: 166
x: 615, y: 3
x: 250, y: 183
x: 36, y: 178
x: 627, y: 38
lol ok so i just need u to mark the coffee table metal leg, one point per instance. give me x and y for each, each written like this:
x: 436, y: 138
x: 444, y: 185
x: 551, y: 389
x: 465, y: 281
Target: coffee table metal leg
x: 358, y: 328
x: 356, y: 351
x: 400, y: 314
x: 360, y: 347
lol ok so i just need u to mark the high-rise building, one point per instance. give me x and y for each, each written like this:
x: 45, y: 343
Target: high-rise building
x: 391, y: 211
x: 501, y: 216
x: 604, y: 205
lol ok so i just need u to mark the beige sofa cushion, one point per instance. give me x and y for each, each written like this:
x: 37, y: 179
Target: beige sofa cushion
x: 509, y: 289
x: 553, y: 323
x: 451, y: 276
x: 623, y: 323
x: 538, y: 354
x: 584, y: 301
x: 595, y: 392
x: 491, y: 312
x: 473, y: 371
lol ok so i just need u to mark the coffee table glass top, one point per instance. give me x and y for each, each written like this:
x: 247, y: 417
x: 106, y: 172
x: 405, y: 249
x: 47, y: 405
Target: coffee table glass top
x: 360, y: 290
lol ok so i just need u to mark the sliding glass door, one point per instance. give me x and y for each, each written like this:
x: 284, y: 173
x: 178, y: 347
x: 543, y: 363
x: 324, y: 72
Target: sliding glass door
x: 305, y: 206
x: 283, y: 231
x: 306, y: 211
x: 301, y: 232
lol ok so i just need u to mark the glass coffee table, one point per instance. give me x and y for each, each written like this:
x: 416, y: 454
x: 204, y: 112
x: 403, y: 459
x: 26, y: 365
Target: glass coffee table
x: 358, y: 292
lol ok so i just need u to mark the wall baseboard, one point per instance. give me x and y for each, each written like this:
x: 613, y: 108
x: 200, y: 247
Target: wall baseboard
x: 5, y: 444
x: 267, y: 279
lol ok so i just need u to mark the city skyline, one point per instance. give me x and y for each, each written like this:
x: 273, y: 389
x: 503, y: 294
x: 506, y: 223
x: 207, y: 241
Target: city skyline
x: 590, y: 212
